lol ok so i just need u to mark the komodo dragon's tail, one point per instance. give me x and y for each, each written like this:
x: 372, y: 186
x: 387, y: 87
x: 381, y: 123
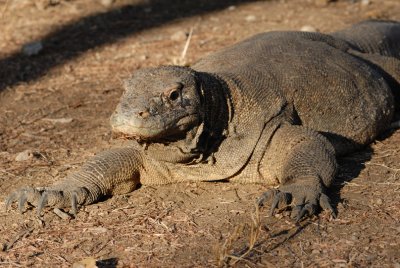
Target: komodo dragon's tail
x: 374, y: 37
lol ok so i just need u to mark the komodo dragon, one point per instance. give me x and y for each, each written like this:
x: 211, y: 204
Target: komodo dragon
x: 276, y: 108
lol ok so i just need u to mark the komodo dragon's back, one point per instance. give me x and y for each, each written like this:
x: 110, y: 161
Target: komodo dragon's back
x: 372, y: 36
x: 331, y: 92
x: 276, y: 108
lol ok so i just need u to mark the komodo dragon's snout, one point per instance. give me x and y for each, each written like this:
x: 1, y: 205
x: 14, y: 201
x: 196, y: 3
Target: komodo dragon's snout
x: 158, y: 103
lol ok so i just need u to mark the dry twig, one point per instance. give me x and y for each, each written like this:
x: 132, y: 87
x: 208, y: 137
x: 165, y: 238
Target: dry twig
x: 181, y: 60
x: 20, y: 235
x: 255, y: 229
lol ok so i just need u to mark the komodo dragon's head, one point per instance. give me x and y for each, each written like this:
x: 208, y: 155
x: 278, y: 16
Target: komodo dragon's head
x: 158, y: 104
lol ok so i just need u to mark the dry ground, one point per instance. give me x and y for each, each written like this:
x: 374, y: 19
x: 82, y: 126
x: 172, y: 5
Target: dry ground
x: 56, y: 105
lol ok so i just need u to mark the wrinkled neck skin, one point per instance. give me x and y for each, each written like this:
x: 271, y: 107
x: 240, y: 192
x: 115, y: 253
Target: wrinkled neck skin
x: 202, y: 140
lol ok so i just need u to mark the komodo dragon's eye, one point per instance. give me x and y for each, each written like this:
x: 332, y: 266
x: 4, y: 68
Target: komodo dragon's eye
x: 174, y: 95
x: 173, y: 92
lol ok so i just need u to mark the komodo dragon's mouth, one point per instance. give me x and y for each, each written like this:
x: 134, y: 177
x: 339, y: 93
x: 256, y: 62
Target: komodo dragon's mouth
x: 128, y: 128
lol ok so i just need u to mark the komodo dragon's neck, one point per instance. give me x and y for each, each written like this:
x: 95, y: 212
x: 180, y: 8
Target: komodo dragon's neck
x: 201, y: 141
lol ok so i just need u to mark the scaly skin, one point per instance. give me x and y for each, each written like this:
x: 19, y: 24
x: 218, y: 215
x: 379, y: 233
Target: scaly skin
x: 275, y: 109
x: 109, y: 173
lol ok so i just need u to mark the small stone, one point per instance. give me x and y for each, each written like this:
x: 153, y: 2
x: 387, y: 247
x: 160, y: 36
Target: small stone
x: 315, y: 251
x: 365, y: 2
x: 308, y: 28
x: 231, y: 8
x: 379, y: 201
x: 179, y: 36
x: 354, y: 237
x: 32, y: 49
x: 23, y: 156
x: 107, y: 3
x: 250, y: 18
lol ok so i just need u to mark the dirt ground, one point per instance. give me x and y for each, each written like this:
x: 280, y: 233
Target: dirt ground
x: 54, y: 110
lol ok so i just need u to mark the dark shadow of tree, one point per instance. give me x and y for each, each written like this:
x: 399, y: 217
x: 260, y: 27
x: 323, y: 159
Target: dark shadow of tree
x: 100, y: 29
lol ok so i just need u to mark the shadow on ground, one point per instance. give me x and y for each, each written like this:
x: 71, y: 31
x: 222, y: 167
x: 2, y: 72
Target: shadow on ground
x: 100, y: 29
x: 350, y: 167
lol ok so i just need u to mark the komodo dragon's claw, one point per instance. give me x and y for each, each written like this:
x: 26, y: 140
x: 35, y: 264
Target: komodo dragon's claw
x: 325, y: 204
x: 21, y: 204
x: 10, y: 199
x: 310, y: 207
x: 302, y: 203
x: 280, y: 200
x: 43, y: 197
x: 22, y: 196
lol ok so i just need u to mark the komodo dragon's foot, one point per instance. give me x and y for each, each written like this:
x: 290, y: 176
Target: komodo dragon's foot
x: 304, y: 201
x: 42, y: 197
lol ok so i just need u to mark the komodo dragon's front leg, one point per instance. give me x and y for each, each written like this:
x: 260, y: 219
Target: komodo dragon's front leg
x: 304, y: 163
x: 112, y: 172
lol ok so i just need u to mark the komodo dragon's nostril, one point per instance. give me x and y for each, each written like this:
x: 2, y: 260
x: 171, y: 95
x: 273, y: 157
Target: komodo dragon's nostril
x: 144, y: 114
